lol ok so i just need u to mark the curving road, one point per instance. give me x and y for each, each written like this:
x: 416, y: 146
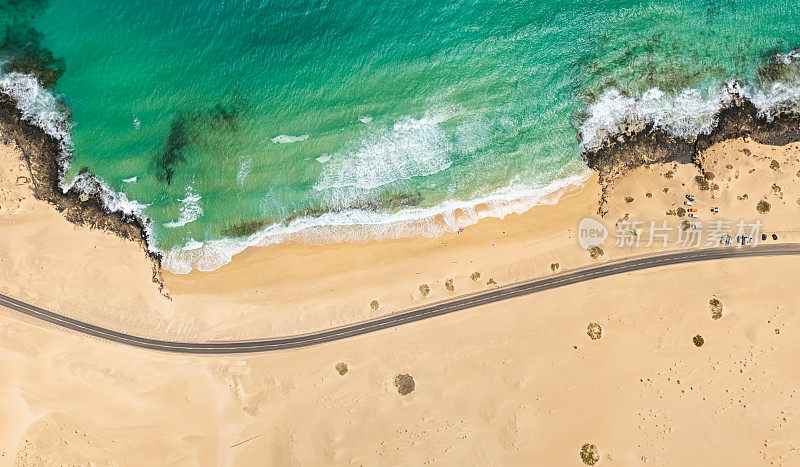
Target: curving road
x: 407, y: 316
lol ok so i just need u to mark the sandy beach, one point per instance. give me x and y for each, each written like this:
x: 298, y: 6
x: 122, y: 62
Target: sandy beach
x: 518, y: 381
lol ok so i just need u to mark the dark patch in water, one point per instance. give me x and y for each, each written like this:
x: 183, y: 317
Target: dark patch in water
x: 223, y: 115
x: 714, y: 7
x: 245, y: 228
x: 21, y: 49
x: 190, y: 129
x: 775, y: 69
x: 174, y: 149
x: 390, y: 201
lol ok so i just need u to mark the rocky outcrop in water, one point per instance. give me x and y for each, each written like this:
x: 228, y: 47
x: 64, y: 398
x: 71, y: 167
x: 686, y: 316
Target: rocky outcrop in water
x: 42, y: 154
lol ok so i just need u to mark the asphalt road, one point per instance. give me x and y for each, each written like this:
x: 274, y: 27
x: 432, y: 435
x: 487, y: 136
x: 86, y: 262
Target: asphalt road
x: 407, y: 316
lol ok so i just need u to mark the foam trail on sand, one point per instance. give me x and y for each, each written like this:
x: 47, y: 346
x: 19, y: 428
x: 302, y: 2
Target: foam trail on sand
x: 362, y: 225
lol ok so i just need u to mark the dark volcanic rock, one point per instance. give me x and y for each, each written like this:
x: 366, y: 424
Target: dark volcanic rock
x: 42, y: 154
x: 624, y: 152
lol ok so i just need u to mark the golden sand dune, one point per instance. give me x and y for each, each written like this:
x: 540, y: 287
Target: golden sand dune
x: 519, y: 381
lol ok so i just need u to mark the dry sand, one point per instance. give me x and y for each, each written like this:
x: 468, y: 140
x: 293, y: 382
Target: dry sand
x: 503, y: 383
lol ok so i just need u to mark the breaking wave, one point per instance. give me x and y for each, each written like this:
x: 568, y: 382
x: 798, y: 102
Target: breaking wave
x: 288, y: 139
x: 411, y: 148
x: 361, y: 225
x: 190, y: 209
x: 43, y: 108
x: 687, y: 114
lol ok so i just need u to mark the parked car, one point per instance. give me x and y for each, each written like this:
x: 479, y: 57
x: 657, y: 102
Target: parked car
x: 690, y: 197
x: 715, y: 210
x: 774, y: 237
x: 763, y: 236
x: 688, y: 203
x: 692, y: 210
x: 691, y: 214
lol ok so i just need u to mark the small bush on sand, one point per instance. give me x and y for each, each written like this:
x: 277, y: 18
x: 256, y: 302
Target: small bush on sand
x: 594, y: 331
x: 475, y: 275
x: 596, y: 252
x: 763, y: 207
x: 342, y: 368
x: 669, y: 174
x: 374, y: 304
x: 774, y: 165
x: 629, y: 199
x: 491, y: 282
x: 716, y: 308
x: 708, y: 175
x: 554, y: 267
x: 404, y: 384
x: 424, y: 290
x: 448, y: 284
x: 702, y: 183
x: 698, y: 340
x: 589, y: 454
x: 648, y: 195
x: 680, y: 212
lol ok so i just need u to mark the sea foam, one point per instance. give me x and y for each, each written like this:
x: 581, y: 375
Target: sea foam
x: 410, y: 148
x: 360, y: 225
x: 688, y: 114
x: 41, y: 107
x: 190, y: 209
x: 288, y: 139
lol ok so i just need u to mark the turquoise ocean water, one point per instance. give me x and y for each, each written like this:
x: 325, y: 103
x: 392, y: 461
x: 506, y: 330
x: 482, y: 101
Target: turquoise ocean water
x: 251, y: 121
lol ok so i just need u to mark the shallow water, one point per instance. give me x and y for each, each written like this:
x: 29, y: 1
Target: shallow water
x: 267, y: 120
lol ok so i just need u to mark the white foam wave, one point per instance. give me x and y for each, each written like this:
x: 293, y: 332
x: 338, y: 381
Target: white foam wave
x: 40, y: 107
x: 245, y: 166
x: 190, y: 209
x: 364, y: 119
x: 690, y: 113
x: 130, y: 180
x: 288, y: 139
x: 411, y: 148
x: 685, y: 115
x: 361, y: 225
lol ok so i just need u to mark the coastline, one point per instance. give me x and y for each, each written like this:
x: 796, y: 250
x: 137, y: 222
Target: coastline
x: 636, y: 146
x: 45, y: 161
x: 479, y: 373
x: 630, y: 144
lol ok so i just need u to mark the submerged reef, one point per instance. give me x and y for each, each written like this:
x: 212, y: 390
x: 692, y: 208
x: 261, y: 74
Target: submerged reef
x: 190, y: 130
x: 385, y: 201
x: 21, y: 49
